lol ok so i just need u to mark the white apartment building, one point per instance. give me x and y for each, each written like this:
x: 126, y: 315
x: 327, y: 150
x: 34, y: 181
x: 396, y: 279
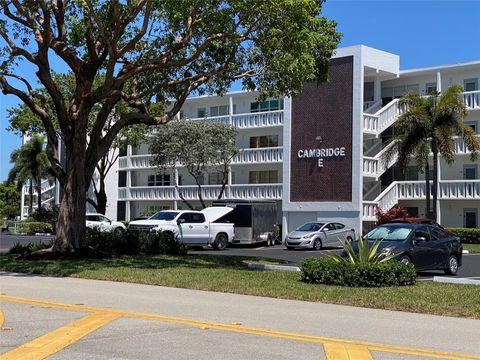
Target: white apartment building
x: 318, y: 155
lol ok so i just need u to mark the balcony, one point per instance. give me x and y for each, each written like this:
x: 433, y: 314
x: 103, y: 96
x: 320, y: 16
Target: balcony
x: 415, y: 190
x: 245, y: 156
x: 249, y: 120
x: 375, y: 124
x: 373, y: 166
x: 210, y: 192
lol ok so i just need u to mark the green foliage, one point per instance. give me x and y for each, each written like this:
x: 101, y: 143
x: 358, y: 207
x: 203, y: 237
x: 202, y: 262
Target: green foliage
x: 330, y: 272
x: 33, y: 227
x: 30, y: 247
x: 9, y: 200
x: 149, y: 212
x: 197, y: 145
x: 467, y: 235
x: 49, y: 216
x: 132, y: 243
x: 365, y: 254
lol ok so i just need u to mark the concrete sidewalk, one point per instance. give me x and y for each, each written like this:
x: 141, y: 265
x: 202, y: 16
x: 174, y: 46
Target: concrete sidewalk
x: 315, y: 319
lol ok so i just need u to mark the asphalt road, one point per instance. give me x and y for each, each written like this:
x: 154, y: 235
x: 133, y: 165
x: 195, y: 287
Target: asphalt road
x: 67, y: 318
x: 469, y: 269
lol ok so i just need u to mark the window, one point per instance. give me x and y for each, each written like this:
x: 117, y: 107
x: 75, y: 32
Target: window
x: 470, y: 84
x: 158, y: 180
x: 437, y: 234
x: 264, y: 141
x: 192, y: 218
x: 215, y: 178
x: 472, y: 124
x: 430, y: 88
x: 201, y: 112
x: 422, y: 231
x: 470, y: 172
x: 263, y: 177
x: 269, y: 105
x: 219, y: 110
x: 470, y: 218
x: 339, y: 226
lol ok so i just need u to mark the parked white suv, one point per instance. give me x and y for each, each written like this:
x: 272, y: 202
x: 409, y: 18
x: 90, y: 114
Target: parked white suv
x: 193, y: 228
x: 102, y: 223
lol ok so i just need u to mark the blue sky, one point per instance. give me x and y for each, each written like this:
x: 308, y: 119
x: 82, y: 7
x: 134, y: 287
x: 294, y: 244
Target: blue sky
x: 423, y: 33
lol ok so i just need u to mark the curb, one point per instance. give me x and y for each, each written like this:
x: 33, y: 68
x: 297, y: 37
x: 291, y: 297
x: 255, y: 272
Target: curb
x: 449, y: 280
x: 273, y: 267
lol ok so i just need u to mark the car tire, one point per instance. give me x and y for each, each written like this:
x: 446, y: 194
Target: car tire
x: 452, y: 265
x: 118, y: 231
x: 221, y: 242
x: 405, y: 260
x: 317, y: 244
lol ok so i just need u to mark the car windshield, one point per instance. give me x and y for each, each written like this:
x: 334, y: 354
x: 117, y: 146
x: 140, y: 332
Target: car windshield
x: 310, y: 227
x: 164, y: 215
x: 389, y: 233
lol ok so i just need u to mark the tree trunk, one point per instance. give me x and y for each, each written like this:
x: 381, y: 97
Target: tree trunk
x: 435, y: 183
x: 39, y: 194
x: 70, y: 230
x: 427, y: 190
x: 30, y: 200
x: 101, y: 196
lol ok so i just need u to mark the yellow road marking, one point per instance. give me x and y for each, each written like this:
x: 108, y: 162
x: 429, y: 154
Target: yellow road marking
x: 54, y: 341
x: 2, y: 319
x: 335, y: 351
x: 260, y: 248
x: 246, y: 330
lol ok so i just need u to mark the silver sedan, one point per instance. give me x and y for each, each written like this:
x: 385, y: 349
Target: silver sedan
x: 315, y: 235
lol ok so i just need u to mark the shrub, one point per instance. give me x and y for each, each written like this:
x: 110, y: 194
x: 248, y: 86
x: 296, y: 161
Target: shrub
x: 133, y: 243
x: 395, y: 212
x: 467, y: 235
x: 33, y: 227
x: 47, y: 216
x: 330, y: 272
x: 29, y: 248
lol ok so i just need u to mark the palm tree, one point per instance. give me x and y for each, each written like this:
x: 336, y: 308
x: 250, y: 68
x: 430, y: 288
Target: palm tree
x: 31, y: 163
x: 428, y: 126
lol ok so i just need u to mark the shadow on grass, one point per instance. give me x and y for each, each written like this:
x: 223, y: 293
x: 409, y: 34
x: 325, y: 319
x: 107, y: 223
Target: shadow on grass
x: 66, y: 267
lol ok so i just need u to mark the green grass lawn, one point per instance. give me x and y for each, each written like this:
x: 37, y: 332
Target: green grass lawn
x: 472, y: 248
x: 230, y: 274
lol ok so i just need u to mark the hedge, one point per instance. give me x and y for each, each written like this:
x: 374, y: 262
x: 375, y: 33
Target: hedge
x: 33, y: 227
x: 329, y: 272
x: 467, y: 236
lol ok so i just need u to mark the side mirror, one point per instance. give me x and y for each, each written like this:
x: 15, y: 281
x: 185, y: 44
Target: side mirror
x: 180, y: 221
x: 418, y: 239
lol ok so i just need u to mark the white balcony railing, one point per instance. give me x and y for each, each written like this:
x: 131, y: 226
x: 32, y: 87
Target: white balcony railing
x: 210, y: 192
x: 376, y: 123
x: 249, y: 120
x: 472, y: 99
x: 245, y: 156
x: 415, y: 190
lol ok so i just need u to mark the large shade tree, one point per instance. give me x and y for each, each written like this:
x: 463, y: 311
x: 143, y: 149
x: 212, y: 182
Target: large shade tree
x: 147, y: 52
x: 199, y: 146
x: 428, y: 126
x: 24, y: 122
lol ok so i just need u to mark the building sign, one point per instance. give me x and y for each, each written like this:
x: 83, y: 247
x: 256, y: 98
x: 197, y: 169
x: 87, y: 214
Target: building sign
x: 321, y: 138
x: 321, y: 153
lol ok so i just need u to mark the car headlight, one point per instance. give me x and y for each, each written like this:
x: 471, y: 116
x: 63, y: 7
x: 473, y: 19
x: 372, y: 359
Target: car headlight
x: 308, y: 236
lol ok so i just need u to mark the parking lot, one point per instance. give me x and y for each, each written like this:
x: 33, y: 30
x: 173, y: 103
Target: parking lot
x: 470, y: 268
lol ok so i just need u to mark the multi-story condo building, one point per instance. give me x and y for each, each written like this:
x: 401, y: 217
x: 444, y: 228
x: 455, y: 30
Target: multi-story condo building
x: 318, y: 155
